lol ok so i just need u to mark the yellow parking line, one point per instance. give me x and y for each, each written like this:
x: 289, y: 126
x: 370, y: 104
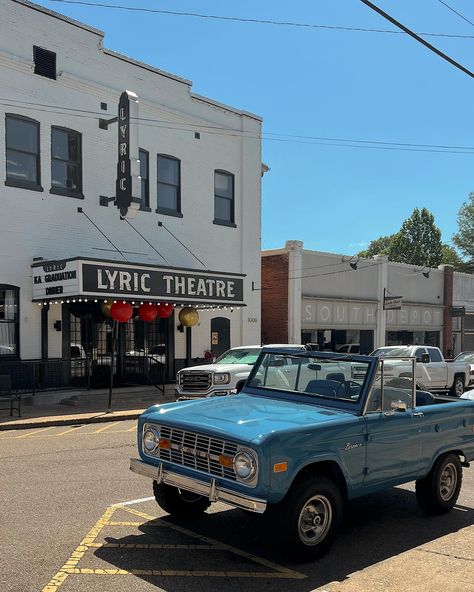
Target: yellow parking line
x: 132, y: 429
x: 106, y: 427
x: 73, y: 429
x: 35, y: 432
x: 150, y: 545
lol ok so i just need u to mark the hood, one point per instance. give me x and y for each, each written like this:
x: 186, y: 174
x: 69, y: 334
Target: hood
x: 242, y: 417
x: 231, y: 368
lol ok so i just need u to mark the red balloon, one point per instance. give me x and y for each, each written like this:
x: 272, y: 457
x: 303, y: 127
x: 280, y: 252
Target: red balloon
x: 121, y: 311
x: 165, y: 310
x: 148, y: 312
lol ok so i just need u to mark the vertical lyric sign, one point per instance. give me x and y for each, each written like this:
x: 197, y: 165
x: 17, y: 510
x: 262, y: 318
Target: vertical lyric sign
x: 127, y: 189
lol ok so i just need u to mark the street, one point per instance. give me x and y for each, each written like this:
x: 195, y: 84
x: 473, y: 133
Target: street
x: 74, y: 518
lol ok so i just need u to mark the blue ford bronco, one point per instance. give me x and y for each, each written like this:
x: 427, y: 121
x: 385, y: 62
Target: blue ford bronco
x: 308, y: 431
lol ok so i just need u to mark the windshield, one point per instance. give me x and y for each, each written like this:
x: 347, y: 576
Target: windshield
x: 319, y: 377
x: 398, y: 352
x: 239, y: 356
x: 465, y: 357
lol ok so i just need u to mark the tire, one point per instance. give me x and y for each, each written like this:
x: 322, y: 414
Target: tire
x: 458, y: 386
x: 305, y: 523
x: 437, y: 493
x: 179, y: 502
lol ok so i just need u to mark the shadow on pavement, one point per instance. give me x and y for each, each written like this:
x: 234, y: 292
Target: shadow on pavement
x: 375, y: 528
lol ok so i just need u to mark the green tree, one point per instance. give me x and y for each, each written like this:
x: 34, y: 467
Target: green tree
x: 451, y: 257
x: 418, y: 241
x: 464, y: 238
x: 379, y: 246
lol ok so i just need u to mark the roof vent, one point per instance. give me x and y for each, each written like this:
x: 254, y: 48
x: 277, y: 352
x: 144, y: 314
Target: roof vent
x: 45, y: 62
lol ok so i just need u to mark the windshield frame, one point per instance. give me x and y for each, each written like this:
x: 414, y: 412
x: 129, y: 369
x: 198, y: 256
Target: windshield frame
x: 354, y: 407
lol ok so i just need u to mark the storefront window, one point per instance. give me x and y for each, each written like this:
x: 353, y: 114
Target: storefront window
x: 413, y: 338
x: 8, y: 321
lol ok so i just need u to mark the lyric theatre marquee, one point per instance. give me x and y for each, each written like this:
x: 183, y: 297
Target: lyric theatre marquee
x: 56, y: 280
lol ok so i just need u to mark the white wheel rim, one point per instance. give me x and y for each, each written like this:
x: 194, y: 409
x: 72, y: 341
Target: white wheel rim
x: 448, y: 482
x: 315, y: 520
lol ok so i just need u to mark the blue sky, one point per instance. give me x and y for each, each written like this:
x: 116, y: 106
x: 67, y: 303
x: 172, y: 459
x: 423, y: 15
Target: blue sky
x: 325, y: 83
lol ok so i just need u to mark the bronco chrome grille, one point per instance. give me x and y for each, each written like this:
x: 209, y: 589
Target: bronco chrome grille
x: 195, y: 381
x: 196, y: 451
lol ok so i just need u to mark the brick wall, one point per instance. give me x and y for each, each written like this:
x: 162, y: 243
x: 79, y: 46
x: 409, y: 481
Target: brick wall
x: 275, y: 299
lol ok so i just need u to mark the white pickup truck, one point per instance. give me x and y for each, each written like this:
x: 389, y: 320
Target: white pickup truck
x: 226, y: 376
x: 433, y: 372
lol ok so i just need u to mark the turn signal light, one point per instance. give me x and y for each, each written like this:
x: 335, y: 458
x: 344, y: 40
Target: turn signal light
x: 166, y: 444
x: 280, y: 467
x: 226, y: 461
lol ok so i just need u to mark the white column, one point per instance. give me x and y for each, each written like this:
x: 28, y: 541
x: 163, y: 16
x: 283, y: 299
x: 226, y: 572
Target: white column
x: 295, y: 265
x: 381, y: 325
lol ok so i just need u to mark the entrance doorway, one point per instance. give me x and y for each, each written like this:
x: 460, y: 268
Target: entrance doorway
x: 142, y: 350
x: 220, y: 335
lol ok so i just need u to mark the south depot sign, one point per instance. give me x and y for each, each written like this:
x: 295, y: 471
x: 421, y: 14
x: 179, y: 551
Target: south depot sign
x: 54, y: 280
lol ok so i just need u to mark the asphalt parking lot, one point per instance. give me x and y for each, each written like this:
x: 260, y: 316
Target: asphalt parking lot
x: 77, y: 520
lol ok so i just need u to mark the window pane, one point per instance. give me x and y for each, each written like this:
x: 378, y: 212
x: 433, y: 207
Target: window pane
x: 8, y: 305
x: 167, y: 197
x: 168, y: 170
x: 222, y: 209
x: 144, y: 192
x: 21, y: 166
x: 8, y: 345
x: 65, y: 175
x: 143, y: 164
x: 223, y: 185
x: 22, y: 135
x: 65, y: 145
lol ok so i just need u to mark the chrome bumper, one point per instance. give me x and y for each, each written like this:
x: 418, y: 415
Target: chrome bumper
x: 211, y: 490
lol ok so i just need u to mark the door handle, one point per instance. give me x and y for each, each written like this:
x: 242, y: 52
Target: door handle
x: 418, y: 414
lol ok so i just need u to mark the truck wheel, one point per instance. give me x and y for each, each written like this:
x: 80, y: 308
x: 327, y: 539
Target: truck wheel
x: 437, y: 493
x: 306, y: 521
x: 179, y: 502
x: 458, y: 386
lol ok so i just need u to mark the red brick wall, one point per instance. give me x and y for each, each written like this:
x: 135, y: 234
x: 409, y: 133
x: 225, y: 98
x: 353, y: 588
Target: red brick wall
x: 275, y: 299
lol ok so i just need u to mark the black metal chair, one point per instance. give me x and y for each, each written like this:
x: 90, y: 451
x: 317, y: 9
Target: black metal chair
x: 9, y: 399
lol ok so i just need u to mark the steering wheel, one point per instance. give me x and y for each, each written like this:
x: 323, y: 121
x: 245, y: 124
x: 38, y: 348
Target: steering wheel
x: 345, y: 389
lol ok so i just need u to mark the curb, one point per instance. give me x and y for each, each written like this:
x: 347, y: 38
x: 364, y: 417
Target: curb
x: 58, y: 421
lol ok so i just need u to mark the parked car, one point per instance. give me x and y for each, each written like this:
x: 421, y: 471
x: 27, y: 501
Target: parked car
x: 467, y: 356
x: 433, y: 372
x: 296, y: 453
x: 225, y: 376
x: 350, y: 348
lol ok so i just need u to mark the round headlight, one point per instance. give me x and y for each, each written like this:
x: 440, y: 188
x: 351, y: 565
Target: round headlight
x: 150, y: 440
x: 244, y: 465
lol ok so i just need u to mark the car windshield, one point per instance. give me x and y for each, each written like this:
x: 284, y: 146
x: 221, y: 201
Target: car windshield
x: 239, y: 356
x: 465, y: 357
x: 399, y: 352
x: 318, y: 377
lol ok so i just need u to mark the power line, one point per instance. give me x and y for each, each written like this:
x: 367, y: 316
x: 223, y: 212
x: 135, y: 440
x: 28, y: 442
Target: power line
x: 418, y: 38
x: 250, y: 20
x: 284, y: 138
x: 456, y: 12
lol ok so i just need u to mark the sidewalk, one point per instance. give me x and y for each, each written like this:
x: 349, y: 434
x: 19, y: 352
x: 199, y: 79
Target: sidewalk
x: 45, y: 409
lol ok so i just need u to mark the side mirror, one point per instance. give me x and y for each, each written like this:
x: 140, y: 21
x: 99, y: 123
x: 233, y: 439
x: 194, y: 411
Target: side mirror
x: 425, y: 358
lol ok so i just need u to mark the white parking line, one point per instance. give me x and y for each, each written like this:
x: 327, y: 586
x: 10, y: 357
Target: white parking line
x: 135, y: 501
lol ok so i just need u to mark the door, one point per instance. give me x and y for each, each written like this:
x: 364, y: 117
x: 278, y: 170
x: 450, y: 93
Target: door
x: 220, y: 335
x: 438, y: 369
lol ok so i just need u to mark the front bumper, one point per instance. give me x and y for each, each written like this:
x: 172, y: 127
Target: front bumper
x: 185, y: 396
x: 211, y: 490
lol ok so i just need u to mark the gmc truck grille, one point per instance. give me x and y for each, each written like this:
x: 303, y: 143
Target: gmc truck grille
x: 195, y: 381
x: 196, y: 451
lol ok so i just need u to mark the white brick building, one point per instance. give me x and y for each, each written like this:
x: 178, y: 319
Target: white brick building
x: 200, y: 219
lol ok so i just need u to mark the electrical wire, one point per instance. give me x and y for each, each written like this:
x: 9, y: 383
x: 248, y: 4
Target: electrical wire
x: 249, y: 20
x: 287, y: 138
x: 418, y: 38
x: 456, y: 12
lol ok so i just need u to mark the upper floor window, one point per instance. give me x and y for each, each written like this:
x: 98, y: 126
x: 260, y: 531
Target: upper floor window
x: 23, y: 152
x: 224, y: 198
x: 169, y: 185
x: 66, y: 162
x: 9, y: 296
x: 145, y: 181
x: 45, y: 62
